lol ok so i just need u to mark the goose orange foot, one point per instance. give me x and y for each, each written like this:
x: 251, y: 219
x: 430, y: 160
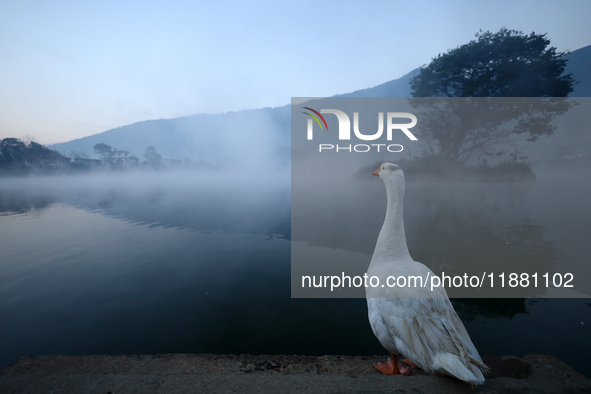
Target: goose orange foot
x: 391, y: 367
x: 410, y: 363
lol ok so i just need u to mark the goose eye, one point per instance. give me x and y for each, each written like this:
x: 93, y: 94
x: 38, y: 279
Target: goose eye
x: 383, y: 168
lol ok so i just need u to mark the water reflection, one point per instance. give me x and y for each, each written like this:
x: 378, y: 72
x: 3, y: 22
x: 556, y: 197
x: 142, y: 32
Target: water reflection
x: 470, y: 309
x: 116, y: 265
x: 163, y: 201
x: 455, y: 241
x: 111, y: 266
x: 14, y: 203
x: 457, y: 228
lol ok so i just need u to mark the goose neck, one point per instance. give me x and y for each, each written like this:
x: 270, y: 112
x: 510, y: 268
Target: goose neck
x: 392, y: 239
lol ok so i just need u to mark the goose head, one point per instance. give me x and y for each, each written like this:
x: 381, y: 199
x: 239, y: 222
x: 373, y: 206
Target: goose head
x: 390, y: 172
x: 393, y: 177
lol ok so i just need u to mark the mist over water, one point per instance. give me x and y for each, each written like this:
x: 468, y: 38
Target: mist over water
x: 138, y: 263
x: 464, y: 226
x: 251, y: 139
x: 155, y: 196
x: 174, y: 261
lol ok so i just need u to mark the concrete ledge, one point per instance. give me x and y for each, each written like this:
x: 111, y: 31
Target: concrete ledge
x: 196, y: 373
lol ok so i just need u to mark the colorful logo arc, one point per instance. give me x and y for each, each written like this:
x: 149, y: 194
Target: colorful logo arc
x: 315, y: 118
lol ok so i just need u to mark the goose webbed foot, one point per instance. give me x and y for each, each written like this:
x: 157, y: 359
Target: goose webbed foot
x: 410, y: 363
x: 391, y: 367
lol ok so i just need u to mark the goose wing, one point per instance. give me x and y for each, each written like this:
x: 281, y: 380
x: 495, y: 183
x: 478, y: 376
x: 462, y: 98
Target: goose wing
x: 429, y: 332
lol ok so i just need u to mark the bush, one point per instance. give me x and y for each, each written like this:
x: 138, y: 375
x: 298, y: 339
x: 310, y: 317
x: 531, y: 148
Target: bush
x: 432, y: 165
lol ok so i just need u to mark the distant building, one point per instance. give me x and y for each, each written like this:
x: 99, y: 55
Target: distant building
x: 122, y: 158
x: 54, y: 161
x: 119, y: 154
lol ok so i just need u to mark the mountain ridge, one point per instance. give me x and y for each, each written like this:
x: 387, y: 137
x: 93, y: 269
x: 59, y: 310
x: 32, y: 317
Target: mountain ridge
x: 205, y: 136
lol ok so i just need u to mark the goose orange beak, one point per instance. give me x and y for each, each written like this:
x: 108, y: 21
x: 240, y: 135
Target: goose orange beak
x: 377, y: 172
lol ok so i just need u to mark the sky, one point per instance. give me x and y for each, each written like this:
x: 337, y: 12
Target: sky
x: 70, y: 69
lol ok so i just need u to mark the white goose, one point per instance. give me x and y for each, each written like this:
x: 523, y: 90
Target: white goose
x: 415, y: 321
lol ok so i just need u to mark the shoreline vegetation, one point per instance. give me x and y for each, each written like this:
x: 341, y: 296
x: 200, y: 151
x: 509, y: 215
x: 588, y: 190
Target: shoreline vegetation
x: 433, y: 167
x: 25, y: 158
x: 21, y: 159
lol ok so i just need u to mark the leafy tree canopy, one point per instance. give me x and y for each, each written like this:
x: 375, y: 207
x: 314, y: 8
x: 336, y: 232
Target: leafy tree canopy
x: 103, y: 149
x: 152, y: 155
x: 494, y: 65
x: 503, y: 64
x: 14, y: 152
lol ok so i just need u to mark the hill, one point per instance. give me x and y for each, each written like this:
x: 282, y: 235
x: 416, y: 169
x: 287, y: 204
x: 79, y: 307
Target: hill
x: 259, y: 133
x: 212, y: 138
x: 397, y: 88
x: 579, y: 64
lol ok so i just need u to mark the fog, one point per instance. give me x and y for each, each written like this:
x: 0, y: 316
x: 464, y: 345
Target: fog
x: 167, y: 261
x: 235, y: 199
x: 252, y: 139
x: 451, y: 226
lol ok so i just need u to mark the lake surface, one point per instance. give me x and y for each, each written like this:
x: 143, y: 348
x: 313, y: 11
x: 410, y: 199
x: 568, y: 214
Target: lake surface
x: 463, y: 226
x: 189, y: 263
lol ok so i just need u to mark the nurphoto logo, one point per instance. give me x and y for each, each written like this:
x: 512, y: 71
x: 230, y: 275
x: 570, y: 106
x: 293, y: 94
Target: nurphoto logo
x: 345, y: 129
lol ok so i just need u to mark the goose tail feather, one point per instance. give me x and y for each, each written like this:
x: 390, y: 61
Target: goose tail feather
x: 451, y: 364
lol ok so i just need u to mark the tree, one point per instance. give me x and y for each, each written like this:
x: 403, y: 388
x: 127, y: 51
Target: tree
x: 152, y: 156
x: 104, y: 150
x: 503, y: 64
x: 27, y: 139
x: 458, y: 128
x: 15, y: 153
x: 12, y: 151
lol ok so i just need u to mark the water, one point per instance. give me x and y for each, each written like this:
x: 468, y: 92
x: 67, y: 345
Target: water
x: 195, y: 264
